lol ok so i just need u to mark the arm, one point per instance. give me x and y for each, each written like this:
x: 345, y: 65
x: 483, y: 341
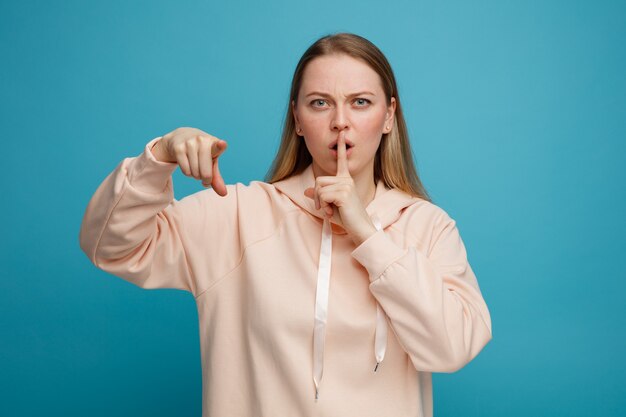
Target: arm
x: 433, y: 302
x: 135, y: 229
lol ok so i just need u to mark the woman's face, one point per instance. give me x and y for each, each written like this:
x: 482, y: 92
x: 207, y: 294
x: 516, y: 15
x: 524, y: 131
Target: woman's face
x: 338, y: 93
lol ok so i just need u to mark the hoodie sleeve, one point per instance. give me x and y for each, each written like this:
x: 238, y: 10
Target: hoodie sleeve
x: 134, y: 228
x: 433, y: 302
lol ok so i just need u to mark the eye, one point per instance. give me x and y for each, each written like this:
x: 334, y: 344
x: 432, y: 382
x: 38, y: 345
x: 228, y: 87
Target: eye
x: 318, y: 102
x: 362, y: 102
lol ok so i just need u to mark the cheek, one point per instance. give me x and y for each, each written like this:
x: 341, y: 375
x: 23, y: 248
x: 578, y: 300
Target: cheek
x: 312, y: 119
x: 372, y: 124
x: 315, y: 130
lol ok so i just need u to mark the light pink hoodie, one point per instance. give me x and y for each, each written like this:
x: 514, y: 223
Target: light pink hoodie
x: 281, y: 298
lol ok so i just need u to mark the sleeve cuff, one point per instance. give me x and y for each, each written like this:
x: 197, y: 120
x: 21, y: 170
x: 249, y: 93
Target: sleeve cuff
x: 376, y: 253
x: 149, y: 174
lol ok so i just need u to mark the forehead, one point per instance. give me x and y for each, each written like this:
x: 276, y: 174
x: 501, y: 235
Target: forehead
x: 341, y: 73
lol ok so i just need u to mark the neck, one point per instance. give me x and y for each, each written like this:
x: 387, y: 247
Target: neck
x: 365, y: 186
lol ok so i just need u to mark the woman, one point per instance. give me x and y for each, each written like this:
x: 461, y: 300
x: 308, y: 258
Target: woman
x: 300, y: 277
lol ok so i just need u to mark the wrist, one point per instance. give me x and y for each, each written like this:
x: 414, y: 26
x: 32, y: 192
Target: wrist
x: 158, y: 152
x: 362, y: 235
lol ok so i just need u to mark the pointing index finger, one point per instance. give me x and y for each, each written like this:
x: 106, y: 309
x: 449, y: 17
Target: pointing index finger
x: 342, y: 157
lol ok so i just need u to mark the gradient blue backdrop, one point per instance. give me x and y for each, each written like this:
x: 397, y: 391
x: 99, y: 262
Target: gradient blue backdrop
x: 517, y: 115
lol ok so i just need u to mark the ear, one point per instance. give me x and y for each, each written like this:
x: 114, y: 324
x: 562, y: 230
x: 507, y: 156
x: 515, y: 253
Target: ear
x: 295, y: 112
x: 389, y: 116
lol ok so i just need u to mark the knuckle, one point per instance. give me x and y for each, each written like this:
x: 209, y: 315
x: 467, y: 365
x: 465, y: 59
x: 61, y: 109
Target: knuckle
x: 179, y: 148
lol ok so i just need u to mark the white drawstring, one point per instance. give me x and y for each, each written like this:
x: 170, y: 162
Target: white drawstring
x: 321, y: 309
x: 380, y: 342
x: 321, y: 305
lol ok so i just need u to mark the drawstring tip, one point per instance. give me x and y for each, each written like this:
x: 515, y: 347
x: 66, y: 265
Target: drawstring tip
x: 377, y: 363
x: 316, y: 394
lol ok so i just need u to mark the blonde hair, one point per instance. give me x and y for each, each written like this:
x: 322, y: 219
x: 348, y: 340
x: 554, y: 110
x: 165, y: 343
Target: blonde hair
x: 393, y: 162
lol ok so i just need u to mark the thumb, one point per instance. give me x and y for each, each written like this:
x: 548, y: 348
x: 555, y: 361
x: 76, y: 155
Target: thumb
x: 218, y: 147
x: 310, y: 192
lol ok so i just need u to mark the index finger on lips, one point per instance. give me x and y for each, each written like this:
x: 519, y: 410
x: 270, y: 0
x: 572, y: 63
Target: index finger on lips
x: 342, y: 156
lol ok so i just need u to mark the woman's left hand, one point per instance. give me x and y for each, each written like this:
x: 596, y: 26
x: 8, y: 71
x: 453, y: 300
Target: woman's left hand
x: 338, y: 197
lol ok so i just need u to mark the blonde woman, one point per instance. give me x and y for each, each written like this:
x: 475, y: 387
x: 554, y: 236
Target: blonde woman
x: 335, y: 287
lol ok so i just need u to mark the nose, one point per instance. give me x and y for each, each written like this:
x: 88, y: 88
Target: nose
x: 339, y: 120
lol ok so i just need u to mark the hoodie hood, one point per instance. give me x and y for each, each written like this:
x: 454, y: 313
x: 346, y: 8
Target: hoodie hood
x: 384, y: 210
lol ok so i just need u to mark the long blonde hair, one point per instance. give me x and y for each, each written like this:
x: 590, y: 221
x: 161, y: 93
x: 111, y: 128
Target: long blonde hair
x: 393, y: 162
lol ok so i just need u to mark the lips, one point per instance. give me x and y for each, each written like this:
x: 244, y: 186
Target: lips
x: 333, y: 145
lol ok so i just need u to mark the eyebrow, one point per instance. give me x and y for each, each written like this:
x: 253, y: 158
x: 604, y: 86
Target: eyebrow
x: 360, y: 93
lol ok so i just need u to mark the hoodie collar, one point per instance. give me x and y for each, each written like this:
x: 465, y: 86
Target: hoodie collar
x: 387, y: 204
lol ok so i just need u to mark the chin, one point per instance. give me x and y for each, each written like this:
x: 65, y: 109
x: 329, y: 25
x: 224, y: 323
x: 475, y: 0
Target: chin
x: 324, y: 169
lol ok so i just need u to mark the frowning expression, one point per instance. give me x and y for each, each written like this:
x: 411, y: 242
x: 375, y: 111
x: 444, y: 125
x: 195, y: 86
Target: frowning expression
x: 338, y: 93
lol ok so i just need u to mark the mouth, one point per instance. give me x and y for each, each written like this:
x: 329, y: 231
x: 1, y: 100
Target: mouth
x: 333, y: 145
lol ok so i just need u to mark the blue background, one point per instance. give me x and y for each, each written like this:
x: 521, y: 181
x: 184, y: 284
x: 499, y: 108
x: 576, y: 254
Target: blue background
x: 517, y: 115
